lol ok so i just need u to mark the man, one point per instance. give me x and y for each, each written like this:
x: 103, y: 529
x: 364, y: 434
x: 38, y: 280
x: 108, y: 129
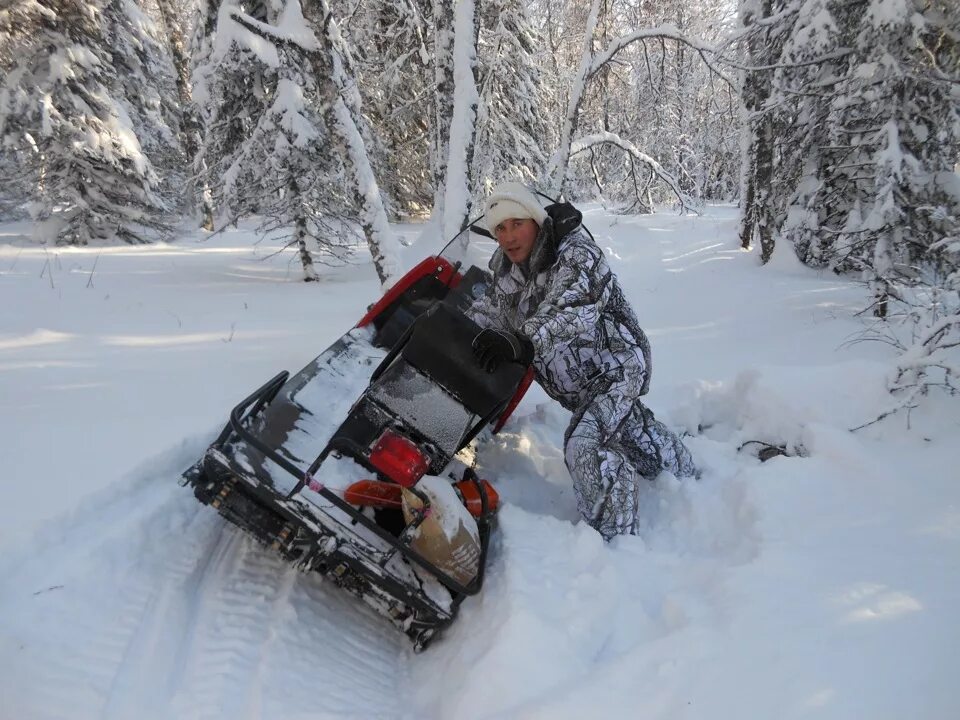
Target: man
x: 555, y: 302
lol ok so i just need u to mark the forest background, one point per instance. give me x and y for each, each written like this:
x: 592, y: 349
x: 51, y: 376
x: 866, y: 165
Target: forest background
x: 834, y: 124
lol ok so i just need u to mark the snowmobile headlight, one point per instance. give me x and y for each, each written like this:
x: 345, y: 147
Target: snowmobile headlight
x: 399, y: 459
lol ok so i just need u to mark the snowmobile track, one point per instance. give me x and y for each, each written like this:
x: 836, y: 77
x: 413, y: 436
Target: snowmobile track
x: 188, y: 618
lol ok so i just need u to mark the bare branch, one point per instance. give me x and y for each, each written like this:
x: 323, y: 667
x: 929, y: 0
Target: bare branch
x: 906, y: 404
x: 606, y: 138
x: 663, y: 32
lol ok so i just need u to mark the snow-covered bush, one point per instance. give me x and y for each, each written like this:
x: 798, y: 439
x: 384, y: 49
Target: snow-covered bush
x: 922, y: 324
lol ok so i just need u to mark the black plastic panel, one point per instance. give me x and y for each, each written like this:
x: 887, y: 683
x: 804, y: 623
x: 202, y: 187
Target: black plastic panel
x: 441, y: 347
x: 393, y: 322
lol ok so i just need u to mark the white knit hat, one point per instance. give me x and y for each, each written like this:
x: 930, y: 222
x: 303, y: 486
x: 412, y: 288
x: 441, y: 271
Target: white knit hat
x: 512, y: 200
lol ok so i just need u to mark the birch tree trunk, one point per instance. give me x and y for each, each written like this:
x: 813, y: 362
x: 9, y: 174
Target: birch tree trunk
x: 300, y: 234
x: 557, y: 170
x: 463, y: 124
x: 443, y: 41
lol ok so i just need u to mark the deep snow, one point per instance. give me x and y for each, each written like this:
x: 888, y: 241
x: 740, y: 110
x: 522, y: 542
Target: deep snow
x: 823, y: 585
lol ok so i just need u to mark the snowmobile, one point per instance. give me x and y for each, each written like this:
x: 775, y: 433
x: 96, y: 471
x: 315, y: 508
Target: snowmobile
x: 361, y: 466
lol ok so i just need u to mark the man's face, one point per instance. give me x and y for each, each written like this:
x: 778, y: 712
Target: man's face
x: 516, y: 237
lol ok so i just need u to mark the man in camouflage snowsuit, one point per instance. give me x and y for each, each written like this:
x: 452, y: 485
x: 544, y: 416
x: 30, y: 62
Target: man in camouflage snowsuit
x: 554, y: 301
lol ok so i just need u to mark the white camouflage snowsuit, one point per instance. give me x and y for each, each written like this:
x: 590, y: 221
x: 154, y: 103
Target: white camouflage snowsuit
x: 592, y: 357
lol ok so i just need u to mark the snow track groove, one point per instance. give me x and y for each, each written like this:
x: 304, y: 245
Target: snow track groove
x: 177, y: 614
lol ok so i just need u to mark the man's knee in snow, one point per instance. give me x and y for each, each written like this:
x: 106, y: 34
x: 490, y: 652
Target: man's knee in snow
x: 581, y: 444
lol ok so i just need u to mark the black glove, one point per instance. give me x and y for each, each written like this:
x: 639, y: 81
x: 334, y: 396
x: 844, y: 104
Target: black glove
x: 491, y: 347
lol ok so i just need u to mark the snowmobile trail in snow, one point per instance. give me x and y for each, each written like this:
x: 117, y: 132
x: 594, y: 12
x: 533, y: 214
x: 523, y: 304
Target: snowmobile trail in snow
x: 148, y: 605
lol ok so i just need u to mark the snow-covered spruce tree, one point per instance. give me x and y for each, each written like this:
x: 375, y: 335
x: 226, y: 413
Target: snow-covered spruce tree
x: 142, y: 61
x: 65, y: 107
x: 280, y: 167
x: 867, y: 99
x: 390, y: 43
x: 18, y: 182
x: 813, y: 59
x: 174, y: 25
x: 899, y: 109
x: 341, y: 108
x: 881, y: 121
x: 202, y: 72
x: 303, y: 163
x: 512, y: 131
x: 18, y: 173
x: 276, y: 168
x: 765, y: 27
x: 232, y: 76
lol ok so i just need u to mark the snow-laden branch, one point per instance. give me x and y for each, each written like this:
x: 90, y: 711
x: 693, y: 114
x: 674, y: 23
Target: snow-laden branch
x: 930, y: 348
x: 590, y: 65
x: 838, y: 54
x: 607, y: 138
x: 663, y: 32
x: 712, y: 57
x: 286, y: 33
x: 9, y: 19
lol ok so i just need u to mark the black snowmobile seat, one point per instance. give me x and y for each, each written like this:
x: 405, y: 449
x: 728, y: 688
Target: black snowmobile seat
x: 441, y: 347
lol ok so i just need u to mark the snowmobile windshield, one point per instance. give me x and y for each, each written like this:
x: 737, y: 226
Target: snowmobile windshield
x: 469, y: 249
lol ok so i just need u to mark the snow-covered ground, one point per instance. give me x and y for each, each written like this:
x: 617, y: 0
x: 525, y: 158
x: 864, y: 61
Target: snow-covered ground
x: 823, y: 585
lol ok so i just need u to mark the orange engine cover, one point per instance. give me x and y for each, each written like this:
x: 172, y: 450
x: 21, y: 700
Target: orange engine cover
x: 373, y: 493
x: 468, y: 492
x: 379, y: 494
